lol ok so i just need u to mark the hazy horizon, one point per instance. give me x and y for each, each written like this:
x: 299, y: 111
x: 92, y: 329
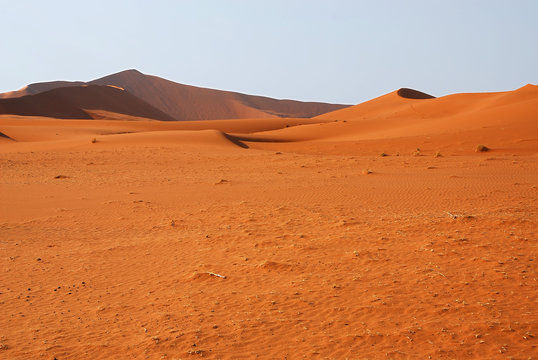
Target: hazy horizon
x: 340, y: 52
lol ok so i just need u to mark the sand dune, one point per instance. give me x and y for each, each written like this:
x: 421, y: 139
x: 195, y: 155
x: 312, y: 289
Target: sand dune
x: 405, y: 120
x: 37, y: 88
x: 78, y: 102
x: 206, y: 138
x: 272, y: 238
x: 501, y: 119
x: 42, y: 129
x: 396, y: 105
x: 184, y: 102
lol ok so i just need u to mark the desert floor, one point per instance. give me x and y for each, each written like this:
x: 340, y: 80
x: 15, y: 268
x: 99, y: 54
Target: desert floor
x: 111, y: 249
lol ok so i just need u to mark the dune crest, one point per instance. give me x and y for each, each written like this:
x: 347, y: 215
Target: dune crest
x: 206, y: 138
x: 5, y: 137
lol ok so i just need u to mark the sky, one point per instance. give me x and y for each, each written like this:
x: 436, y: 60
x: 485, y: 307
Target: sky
x: 332, y: 51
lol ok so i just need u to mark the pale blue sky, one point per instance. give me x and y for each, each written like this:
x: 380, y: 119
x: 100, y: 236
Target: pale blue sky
x: 334, y: 51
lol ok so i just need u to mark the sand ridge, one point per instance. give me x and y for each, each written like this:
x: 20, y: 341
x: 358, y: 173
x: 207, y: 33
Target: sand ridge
x: 46, y: 132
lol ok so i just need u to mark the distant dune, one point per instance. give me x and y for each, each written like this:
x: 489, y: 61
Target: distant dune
x: 79, y: 101
x: 39, y: 88
x: 509, y: 118
x: 184, y: 102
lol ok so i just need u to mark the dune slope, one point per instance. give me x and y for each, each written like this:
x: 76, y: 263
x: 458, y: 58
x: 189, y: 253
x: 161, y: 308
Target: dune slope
x: 411, y: 104
x: 37, y: 88
x: 77, y: 103
x: 184, y: 102
x: 501, y: 118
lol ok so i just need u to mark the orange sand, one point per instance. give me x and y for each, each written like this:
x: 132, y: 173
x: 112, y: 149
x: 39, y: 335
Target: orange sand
x: 110, y: 248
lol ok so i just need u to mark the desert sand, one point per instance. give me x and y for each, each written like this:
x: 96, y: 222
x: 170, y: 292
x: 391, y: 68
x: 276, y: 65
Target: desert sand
x: 372, y: 232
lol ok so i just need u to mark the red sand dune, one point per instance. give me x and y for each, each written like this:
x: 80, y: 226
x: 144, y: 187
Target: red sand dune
x: 184, y: 102
x: 400, y: 104
x: 274, y: 238
x: 78, y: 103
x: 501, y: 119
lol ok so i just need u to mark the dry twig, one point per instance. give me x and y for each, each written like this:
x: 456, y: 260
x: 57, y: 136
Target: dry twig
x: 217, y: 275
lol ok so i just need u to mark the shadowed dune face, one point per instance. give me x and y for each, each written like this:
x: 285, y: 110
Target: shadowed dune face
x: 4, y: 137
x: 76, y: 103
x: 44, y: 104
x: 413, y: 94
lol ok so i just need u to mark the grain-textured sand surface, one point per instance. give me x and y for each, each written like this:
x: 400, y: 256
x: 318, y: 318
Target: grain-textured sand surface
x: 275, y: 238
